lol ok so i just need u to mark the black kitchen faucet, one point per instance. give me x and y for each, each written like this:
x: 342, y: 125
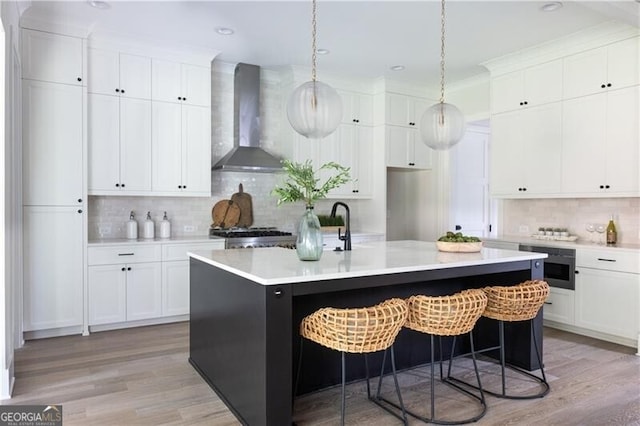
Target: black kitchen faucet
x: 347, y: 230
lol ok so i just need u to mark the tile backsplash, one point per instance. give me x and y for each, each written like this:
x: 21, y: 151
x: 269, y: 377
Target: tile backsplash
x: 574, y: 214
x: 190, y: 216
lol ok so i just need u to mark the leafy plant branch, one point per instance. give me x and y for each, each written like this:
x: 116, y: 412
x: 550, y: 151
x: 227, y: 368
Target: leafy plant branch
x: 303, y: 185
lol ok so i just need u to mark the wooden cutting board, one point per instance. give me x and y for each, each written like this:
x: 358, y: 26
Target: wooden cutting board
x: 225, y: 214
x: 243, y: 200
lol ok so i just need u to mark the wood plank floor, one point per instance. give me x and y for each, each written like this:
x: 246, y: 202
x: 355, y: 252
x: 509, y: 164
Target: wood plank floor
x: 141, y: 377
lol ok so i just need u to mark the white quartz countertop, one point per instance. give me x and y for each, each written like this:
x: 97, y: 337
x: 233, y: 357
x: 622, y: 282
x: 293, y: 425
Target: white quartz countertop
x: 121, y: 241
x: 579, y: 244
x: 275, y: 265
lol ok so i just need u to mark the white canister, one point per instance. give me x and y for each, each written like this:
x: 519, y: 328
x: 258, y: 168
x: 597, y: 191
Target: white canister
x: 132, y: 227
x: 165, y: 227
x: 148, y: 230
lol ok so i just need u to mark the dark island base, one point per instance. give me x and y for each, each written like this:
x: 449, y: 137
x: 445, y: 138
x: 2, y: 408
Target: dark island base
x: 244, y: 336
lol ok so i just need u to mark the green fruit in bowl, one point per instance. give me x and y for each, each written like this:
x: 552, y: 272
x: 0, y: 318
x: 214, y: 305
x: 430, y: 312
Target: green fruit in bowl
x: 458, y: 237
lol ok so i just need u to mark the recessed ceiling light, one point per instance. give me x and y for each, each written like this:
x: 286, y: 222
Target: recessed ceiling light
x: 397, y: 68
x: 224, y: 31
x: 322, y: 51
x: 99, y: 4
x: 551, y: 6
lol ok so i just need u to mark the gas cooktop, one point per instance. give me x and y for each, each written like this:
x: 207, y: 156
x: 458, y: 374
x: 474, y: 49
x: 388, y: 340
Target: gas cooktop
x: 247, y: 232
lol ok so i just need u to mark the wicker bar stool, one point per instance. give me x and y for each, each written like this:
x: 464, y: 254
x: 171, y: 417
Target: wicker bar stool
x: 357, y: 330
x: 452, y: 315
x: 516, y: 303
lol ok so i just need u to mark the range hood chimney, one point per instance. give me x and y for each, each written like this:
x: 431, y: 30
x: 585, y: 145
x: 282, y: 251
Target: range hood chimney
x: 246, y: 155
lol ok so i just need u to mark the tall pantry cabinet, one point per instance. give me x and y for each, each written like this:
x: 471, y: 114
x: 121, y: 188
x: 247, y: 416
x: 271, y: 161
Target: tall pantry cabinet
x: 54, y: 199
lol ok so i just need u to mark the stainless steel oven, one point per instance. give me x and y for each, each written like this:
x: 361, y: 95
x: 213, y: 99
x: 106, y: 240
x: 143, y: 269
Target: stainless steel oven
x: 559, y: 267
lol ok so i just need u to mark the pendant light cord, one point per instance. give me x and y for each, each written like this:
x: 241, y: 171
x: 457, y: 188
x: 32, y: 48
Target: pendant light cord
x: 441, y: 53
x: 313, y: 42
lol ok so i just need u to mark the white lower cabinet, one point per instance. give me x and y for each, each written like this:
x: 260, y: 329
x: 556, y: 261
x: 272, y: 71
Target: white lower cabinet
x: 607, y: 302
x: 124, y: 283
x: 175, y: 275
x: 560, y: 306
x: 607, y: 297
x: 126, y: 292
x: 140, y: 282
x: 175, y: 288
x: 53, y: 271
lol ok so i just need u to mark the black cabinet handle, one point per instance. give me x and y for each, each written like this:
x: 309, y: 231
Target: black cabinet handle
x: 606, y: 260
x: 412, y: 164
x: 79, y: 79
x: 601, y: 186
x: 117, y: 90
x: 524, y: 189
x: 179, y: 186
x: 122, y: 185
x: 608, y: 84
x: 521, y: 104
x: 458, y: 227
x: 121, y: 90
x: 602, y: 86
x: 184, y: 186
x: 129, y: 268
x: 607, y: 187
x: 576, y: 272
x: 526, y: 103
x: 79, y: 210
x: 278, y: 292
x: 179, y: 98
x: 117, y: 185
x: 125, y: 254
x: 548, y: 303
x: 123, y: 269
x: 184, y: 99
x: 79, y: 200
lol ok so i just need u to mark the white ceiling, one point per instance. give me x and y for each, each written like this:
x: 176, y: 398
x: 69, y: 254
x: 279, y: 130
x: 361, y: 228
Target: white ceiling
x: 365, y: 38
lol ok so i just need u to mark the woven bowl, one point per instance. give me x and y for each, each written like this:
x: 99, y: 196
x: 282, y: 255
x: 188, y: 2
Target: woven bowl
x: 459, y: 247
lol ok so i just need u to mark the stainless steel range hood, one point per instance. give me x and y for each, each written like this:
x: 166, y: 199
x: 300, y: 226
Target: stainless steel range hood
x: 246, y: 155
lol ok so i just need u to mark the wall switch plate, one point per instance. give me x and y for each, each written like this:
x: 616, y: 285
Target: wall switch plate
x: 523, y: 229
x: 104, y: 230
x: 189, y: 228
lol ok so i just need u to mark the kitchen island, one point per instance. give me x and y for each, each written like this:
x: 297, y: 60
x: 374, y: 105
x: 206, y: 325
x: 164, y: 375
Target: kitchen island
x: 246, y: 306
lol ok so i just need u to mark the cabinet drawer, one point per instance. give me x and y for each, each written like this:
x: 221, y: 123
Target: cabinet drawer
x: 172, y: 252
x: 124, y: 254
x: 611, y: 260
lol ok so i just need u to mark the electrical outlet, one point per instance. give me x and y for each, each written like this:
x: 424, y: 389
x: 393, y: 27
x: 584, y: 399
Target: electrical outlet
x: 189, y: 228
x: 104, y: 230
x: 523, y: 229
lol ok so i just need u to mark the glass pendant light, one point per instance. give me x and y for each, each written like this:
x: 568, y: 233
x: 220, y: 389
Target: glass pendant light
x: 314, y: 109
x: 442, y: 125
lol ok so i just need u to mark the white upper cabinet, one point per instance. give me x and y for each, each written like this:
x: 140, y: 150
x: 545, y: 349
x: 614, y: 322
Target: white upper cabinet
x: 181, y: 83
x: 119, y: 145
x: 600, y: 149
x: 526, y: 152
x: 53, y: 144
x: 403, y: 110
x: 532, y: 86
x: 52, y: 57
x: 120, y: 74
x: 357, y: 108
x: 404, y: 146
x: 181, y: 147
x: 405, y: 149
x: 350, y: 146
x: 610, y: 67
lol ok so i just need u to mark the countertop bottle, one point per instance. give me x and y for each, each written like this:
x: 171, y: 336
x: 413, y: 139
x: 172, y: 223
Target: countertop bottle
x: 148, y: 230
x: 132, y: 227
x: 165, y: 227
x: 612, y: 234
